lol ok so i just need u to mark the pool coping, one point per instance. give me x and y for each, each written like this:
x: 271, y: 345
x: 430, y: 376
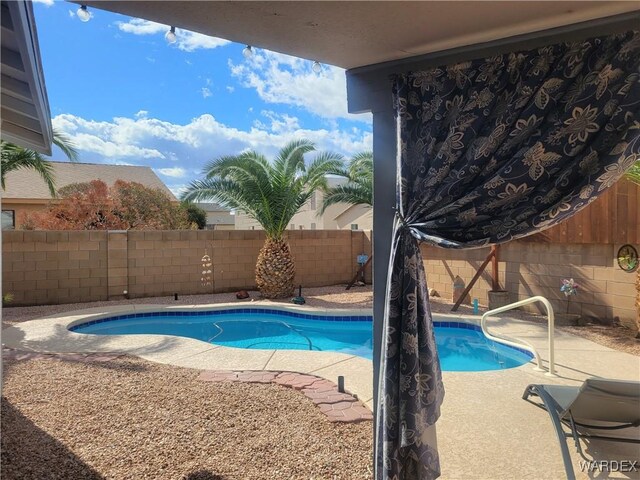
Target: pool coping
x: 51, y: 334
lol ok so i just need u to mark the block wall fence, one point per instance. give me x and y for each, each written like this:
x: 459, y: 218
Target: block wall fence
x: 50, y: 267
x: 67, y: 267
x: 606, y: 292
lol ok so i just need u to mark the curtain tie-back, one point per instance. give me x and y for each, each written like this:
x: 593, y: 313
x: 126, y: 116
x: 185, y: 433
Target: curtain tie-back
x: 401, y: 222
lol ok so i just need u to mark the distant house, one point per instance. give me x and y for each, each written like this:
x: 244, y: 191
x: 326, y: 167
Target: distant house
x: 218, y: 217
x: 341, y: 216
x: 26, y: 192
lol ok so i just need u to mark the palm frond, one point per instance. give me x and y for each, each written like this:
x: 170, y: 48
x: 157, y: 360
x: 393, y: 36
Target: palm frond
x: 352, y: 194
x: 64, y: 143
x: 324, y: 164
x: 16, y: 158
x: 358, y: 189
x: 290, y: 158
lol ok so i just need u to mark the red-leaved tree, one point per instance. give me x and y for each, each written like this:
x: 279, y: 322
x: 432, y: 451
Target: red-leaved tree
x: 95, y: 206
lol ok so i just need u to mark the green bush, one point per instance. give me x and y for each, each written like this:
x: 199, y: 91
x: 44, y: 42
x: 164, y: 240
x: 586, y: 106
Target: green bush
x: 197, y: 216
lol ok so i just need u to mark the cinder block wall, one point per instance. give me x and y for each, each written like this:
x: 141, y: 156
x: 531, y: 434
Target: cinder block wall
x: 54, y: 267
x: 63, y: 267
x: 526, y: 269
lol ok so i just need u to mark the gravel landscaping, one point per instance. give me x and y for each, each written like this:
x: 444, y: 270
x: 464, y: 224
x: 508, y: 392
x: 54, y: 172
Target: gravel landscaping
x: 131, y: 419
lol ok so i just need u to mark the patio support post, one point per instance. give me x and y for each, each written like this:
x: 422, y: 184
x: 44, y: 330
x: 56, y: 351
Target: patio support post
x: 384, y: 200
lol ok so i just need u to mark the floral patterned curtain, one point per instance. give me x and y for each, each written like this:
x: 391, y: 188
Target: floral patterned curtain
x: 490, y: 151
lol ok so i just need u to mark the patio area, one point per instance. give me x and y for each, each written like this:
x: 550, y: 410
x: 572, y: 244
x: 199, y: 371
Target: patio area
x: 486, y: 124
x: 486, y: 429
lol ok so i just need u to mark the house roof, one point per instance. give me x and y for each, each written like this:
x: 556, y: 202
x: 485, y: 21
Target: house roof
x: 26, y: 183
x: 352, y: 34
x: 347, y: 209
x: 26, y: 119
x: 212, y: 207
x: 342, y: 212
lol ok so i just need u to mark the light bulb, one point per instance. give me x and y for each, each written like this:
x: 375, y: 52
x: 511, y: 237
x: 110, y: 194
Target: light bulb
x: 247, y: 51
x: 317, y: 68
x: 83, y: 14
x: 170, y: 36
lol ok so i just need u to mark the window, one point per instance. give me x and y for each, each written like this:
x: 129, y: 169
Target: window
x: 313, y: 201
x: 8, y: 219
x: 292, y: 226
x: 301, y: 227
x: 313, y: 226
x: 354, y: 226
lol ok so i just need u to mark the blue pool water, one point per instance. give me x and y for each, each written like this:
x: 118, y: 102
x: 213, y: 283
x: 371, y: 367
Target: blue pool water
x: 461, y: 347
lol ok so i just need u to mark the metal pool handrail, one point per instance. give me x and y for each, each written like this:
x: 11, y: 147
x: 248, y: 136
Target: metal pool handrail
x: 523, y: 343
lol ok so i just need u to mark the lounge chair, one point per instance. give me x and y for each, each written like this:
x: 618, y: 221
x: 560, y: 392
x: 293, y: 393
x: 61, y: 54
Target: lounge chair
x: 598, y: 404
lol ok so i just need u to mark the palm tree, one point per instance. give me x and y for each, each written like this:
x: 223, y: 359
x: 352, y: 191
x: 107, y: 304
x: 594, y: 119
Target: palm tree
x: 15, y: 157
x: 633, y: 174
x: 358, y: 190
x: 271, y: 194
x: 359, y: 187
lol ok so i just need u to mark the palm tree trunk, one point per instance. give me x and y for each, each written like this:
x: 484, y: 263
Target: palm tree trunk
x: 275, y: 269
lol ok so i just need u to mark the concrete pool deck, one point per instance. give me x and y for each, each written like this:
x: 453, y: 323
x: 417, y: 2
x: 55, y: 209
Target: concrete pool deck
x: 486, y: 430
x: 51, y: 334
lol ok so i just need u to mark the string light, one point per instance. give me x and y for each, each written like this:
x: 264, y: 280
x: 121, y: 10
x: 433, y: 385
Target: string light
x: 170, y: 36
x: 247, y: 51
x: 317, y: 68
x: 83, y: 14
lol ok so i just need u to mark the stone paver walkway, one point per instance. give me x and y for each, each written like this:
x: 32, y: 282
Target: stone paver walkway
x: 337, y: 406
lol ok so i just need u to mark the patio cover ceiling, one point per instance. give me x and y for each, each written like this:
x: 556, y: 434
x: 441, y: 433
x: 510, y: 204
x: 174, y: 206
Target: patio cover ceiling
x: 353, y: 34
x: 26, y: 119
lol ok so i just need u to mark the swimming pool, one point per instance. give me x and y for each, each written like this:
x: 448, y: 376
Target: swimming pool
x: 461, y: 346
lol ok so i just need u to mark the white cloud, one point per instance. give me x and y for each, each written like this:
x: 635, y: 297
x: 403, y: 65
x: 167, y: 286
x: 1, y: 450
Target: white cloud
x: 72, y: 13
x: 206, y: 93
x: 142, y: 114
x: 101, y: 138
x: 178, y: 190
x: 175, y: 172
x: 186, y: 40
x: 230, y: 89
x: 128, y: 164
x: 138, y: 26
x: 48, y: 3
x: 279, y: 78
x: 166, y: 145
x: 108, y: 149
x: 280, y: 122
x: 191, y: 41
